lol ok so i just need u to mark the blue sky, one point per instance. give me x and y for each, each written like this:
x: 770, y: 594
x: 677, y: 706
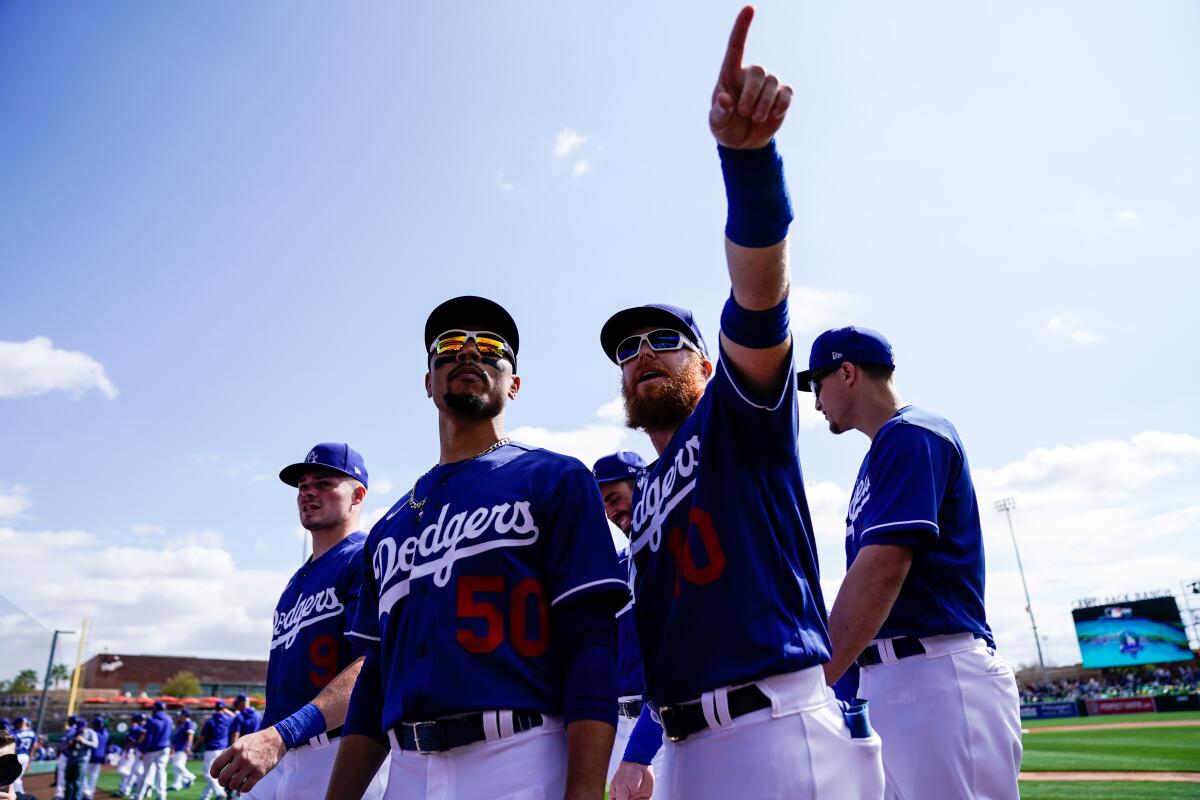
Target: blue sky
x: 230, y: 221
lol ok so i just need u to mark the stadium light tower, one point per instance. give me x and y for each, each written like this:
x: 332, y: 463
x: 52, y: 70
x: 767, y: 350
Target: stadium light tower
x: 1006, y: 506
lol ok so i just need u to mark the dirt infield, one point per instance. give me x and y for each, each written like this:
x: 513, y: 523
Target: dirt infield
x: 1108, y: 726
x: 1146, y: 777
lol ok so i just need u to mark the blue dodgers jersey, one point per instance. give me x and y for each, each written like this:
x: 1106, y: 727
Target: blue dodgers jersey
x: 725, y: 571
x: 457, y: 600
x: 914, y: 488
x: 247, y: 721
x: 101, y: 750
x: 630, y: 681
x: 134, y: 737
x: 179, y: 739
x: 216, y: 731
x: 158, y: 732
x: 308, y: 643
x: 25, y: 739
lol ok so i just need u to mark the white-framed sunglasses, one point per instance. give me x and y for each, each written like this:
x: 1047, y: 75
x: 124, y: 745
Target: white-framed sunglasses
x: 487, y: 343
x: 660, y: 340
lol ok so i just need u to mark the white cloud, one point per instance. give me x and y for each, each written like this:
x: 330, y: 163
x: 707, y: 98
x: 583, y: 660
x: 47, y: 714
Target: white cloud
x: 501, y: 183
x: 1128, y: 215
x: 1068, y: 325
x: 147, y: 529
x: 183, y: 596
x: 581, y: 168
x: 567, y: 142
x: 813, y: 310
x: 36, y: 367
x: 13, y: 500
x: 1091, y: 520
x: 381, y: 485
x: 593, y: 440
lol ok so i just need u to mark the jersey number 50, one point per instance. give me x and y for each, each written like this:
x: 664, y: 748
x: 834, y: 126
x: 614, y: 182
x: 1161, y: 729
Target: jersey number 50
x: 470, y: 606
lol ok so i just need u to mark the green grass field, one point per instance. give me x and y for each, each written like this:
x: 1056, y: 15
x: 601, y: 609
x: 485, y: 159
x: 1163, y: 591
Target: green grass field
x: 110, y: 780
x: 1132, y: 750
x: 1108, y: 790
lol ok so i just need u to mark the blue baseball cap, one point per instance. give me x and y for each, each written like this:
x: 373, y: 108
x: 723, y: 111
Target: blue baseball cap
x: 241, y: 698
x: 337, y: 456
x: 159, y: 705
x: 652, y: 315
x: 219, y: 704
x: 98, y: 721
x: 471, y: 310
x: 183, y: 712
x: 618, y: 466
x: 72, y: 720
x: 839, y: 346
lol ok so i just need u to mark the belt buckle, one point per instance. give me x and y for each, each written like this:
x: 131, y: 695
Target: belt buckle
x: 663, y: 713
x: 416, y: 731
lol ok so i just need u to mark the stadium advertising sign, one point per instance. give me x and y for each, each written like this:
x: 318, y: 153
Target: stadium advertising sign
x: 1129, y: 633
x: 1066, y: 708
x: 1120, y: 705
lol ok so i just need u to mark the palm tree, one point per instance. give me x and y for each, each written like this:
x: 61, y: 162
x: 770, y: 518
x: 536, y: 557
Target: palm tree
x: 59, y: 673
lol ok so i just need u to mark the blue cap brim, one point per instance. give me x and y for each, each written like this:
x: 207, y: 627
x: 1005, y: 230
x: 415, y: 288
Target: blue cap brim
x: 292, y: 473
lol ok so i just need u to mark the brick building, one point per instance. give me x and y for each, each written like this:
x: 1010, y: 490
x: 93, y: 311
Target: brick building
x: 135, y: 675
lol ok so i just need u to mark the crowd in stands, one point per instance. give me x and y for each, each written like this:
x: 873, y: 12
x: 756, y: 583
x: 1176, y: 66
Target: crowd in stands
x: 1125, y: 683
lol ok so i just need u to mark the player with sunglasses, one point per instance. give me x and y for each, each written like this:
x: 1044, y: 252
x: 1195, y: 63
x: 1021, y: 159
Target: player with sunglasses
x: 488, y: 602
x: 728, y: 602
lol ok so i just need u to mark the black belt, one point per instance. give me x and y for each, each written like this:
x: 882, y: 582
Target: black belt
x: 630, y: 708
x: 441, y: 735
x: 903, y: 646
x: 682, y: 720
x: 330, y: 734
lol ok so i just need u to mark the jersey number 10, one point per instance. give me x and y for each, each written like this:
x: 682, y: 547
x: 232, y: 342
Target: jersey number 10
x: 470, y: 606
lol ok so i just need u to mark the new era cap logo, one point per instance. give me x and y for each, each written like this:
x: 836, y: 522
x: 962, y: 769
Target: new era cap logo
x: 357, y: 471
x: 836, y: 355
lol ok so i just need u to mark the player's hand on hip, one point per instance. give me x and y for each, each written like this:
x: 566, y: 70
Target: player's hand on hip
x: 632, y: 781
x: 748, y: 103
x: 246, y: 761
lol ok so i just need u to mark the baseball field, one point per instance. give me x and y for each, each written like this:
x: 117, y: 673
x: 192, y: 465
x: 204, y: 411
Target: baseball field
x: 1133, y: 757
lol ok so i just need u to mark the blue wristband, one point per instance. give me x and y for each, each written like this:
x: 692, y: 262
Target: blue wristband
x: 305, y: 724
x: 645, y: 739
x: 759, y: 208
x: 756, y: 329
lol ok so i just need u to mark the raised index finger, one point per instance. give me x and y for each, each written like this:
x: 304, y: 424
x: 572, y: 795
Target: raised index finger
x: 737, y: 41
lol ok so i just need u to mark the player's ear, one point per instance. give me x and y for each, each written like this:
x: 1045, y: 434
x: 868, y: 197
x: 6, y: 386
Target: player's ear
x: 359, y: 495
x: 428, y: 385
x: 708, y: 368
x: 514, y: 386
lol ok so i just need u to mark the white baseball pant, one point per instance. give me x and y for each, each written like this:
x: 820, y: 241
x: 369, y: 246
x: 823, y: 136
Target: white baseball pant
x: 60, y: 775
x: 183, y: 776
x: 799, y: 748
x: 303, y: 773
x: 18, y: 785
x: 530, y: 765
x: 155, y: 764
x: 93, y: 776
x: 950, y: 720
x: 212, y: 789
x: 127, y: 769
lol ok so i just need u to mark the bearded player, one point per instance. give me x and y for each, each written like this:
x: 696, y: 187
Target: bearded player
x: 727, y: 598
x: 313, y: 665
x: 489, y: 601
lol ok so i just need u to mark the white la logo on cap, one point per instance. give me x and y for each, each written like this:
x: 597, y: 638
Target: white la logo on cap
x: 312, y: 457
x: 836, y: 355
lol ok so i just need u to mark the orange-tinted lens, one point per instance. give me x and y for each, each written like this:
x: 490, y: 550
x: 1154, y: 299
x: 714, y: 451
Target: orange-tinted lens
x: 490, y: 347
x: 449, y: 344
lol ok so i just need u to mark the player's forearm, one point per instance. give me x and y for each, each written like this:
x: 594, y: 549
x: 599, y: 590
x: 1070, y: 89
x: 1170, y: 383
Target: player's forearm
x: 334, y: 699
x: 863, y: 603
x: 358, y: 759
x: 589, y: 745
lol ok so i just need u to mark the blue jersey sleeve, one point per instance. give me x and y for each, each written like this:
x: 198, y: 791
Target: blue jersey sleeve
x: 907, y: 477
x: 580, y: 558
x: 763, y: 426
x: 364, y: 622
x: 354, y: 591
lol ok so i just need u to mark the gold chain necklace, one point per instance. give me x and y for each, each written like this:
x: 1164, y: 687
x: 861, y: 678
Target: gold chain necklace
x: 419, y: 505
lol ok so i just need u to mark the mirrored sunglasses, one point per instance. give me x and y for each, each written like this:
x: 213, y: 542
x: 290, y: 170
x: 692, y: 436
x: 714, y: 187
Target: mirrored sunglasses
x: 488, y: 344
x: 660, y: 341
